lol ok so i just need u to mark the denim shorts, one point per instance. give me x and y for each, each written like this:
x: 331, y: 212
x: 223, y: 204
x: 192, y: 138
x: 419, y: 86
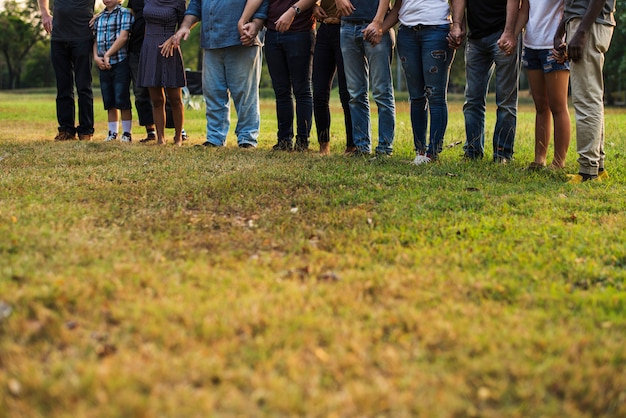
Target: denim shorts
x: 541, y: 59
x: 115, y: 86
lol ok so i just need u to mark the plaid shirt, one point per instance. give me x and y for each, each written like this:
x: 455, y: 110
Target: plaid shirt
x: 107, y: 28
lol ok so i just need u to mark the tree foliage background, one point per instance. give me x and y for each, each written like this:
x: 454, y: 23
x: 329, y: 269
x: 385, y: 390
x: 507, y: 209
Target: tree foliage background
x: 25, y: 53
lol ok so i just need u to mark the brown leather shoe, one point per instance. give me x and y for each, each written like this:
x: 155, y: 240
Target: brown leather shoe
x: 324, y: 148
x: 349, y: 150
x: 64, y: 136
x: 85, y: 137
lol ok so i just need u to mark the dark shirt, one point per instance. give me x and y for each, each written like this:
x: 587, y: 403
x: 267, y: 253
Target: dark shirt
x: 364, y: 10
x: 70, y: 20
x: 485, y: 17
x: 139, y: 26
x: 302, y: 23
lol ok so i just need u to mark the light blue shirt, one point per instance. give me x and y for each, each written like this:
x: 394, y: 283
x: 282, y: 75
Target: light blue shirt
x: 219, y: 20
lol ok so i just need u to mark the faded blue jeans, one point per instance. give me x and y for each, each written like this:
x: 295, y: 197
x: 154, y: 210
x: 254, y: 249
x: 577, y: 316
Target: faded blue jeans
x: 426, y: 60
x: 365, y: 64
x: 234, y: 72
x: 482, y: 57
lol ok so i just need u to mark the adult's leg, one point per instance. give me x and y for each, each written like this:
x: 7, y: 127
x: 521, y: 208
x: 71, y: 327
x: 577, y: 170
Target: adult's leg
x: 278, y: 67
x: 539, y: 92
x: 556, y: 87
x: 587, y: 97
x: 324, y: 69
x: 507, y: 84
x: 299, y: 50
x: 410, y: 49
x: 344, y: 95
x: 175, y: 98
x: 61, y: 57
x: 379, y: 57
x: 216, y: 96
x: 243, y: 74
x: 437, y: 59
x: 157, y: 96
x: 142, y: 96
x: 478, y: 70
x: 82, y: 52
x: 356, y: 70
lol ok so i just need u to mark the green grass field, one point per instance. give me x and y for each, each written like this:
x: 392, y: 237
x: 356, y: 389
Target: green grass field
x: 146, y: 281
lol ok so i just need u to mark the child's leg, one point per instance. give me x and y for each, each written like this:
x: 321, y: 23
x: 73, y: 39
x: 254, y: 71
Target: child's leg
x: 127, y: 120
x: 113, y: 118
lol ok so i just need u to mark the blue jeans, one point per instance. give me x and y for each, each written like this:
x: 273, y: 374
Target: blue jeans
x: 365, y: 63
x: 426, y: 60
x: 289, y: 61
x: 233, y: 71
x: 115, y: 86
x: 481, y: 57
x: 71, y: 61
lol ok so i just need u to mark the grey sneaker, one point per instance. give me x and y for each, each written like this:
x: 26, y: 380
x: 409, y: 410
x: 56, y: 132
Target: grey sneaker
x: 112, y: 137
x: 126, y: 137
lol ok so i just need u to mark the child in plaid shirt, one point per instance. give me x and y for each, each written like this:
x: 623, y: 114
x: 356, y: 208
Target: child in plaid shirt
x: 110, y: 53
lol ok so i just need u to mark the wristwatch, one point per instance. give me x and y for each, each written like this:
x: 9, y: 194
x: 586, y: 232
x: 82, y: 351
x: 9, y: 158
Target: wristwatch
x: 297, y: 9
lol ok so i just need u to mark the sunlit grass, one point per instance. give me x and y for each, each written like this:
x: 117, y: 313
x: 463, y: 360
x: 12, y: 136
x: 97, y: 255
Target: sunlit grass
x: 164, y: 281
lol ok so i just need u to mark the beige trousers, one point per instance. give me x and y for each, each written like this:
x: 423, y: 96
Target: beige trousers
x: 588, y: 95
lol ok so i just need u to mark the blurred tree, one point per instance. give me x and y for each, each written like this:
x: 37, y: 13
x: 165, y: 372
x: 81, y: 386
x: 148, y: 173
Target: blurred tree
x: 615, y: 63
x: 20, y: 32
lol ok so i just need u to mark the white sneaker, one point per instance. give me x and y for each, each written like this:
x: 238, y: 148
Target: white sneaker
x: 126, y: 137
x: 112, y: 137
x: 421, y: 159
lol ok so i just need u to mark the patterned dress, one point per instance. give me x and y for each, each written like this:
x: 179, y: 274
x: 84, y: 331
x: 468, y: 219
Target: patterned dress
x: 162, y: 18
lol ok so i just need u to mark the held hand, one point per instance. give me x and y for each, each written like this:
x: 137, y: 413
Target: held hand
x: 560, y: 53
x: 250, y: 32
x: 46, y: 21
x: 93, y: 19
x: 107, y: 62
x: 576, y: 46
x: 168, y: 48
x: 182, y: 33
x: 455, y: 37
x: 319, y: 13
x: 344, y: 7
x: 507, y: 43
x: 373, y: 33
x: 284, y: 22
x: 99, y: 61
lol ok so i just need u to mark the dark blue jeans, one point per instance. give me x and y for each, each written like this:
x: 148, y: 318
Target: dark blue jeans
x: 115, y: 86
x: 289, y: 62
x: 71, y: 61
x: 328, y: 61
x: 426, y: 60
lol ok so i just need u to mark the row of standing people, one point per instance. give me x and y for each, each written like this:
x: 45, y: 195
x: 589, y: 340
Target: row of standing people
x: 355, y: 39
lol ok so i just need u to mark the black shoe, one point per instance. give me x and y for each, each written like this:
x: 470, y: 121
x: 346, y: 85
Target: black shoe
x: 207, y: 144
x: 501, y: 160
x: 283, y: 145
x: 360, y: 154
x: 302, y: 144
x: 148, y: 138
x: 246, y: 145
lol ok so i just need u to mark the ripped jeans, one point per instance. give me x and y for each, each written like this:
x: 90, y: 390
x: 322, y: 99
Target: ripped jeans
x: 426, y: 60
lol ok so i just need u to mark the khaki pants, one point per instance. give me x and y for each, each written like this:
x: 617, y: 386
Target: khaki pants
x: 588, y: 96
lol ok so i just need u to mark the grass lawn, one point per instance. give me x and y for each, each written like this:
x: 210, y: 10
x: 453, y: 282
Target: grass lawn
x: 146, y: 281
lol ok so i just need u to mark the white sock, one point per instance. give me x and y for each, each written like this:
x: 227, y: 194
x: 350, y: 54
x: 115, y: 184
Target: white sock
x: 127, y: 125
x: 113, y: 127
